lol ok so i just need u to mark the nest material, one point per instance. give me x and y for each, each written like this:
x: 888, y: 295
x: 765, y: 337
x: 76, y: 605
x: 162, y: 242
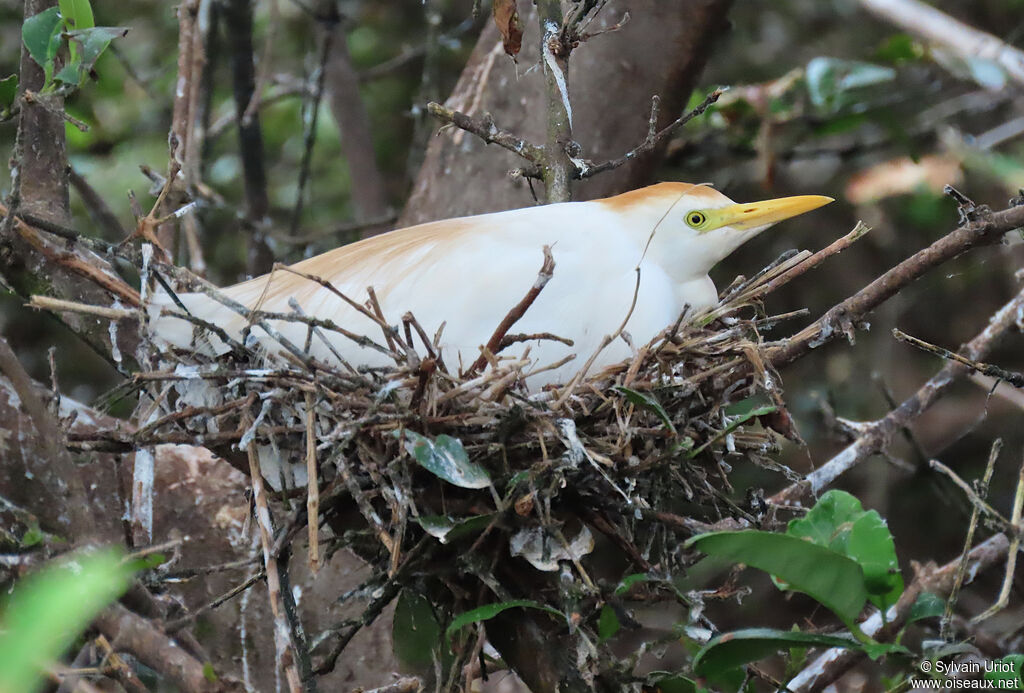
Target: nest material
x: 471, y: 486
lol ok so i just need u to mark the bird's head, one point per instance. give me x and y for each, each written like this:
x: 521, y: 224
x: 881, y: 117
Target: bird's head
x: 693, y: 227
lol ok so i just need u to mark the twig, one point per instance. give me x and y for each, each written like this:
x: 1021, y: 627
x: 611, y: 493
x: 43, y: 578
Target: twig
x: 976, y: 508
x: 976, y: 499
x: 837, y: 246
x: 313, y: 487
x: 1011, y: 555
x: 485, y: 129
x: 60, y: 305
x: 311, y: 112
x: 496, y: 342
x: 402, y: 685
x: 1011, y: 377
x: 382, y: 597
x: 264, y: 523
x: 171, y: 627
x: 653, y: 140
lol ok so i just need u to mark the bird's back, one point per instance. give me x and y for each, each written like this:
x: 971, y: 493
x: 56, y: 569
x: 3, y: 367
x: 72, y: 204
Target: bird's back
x: 466, y: 273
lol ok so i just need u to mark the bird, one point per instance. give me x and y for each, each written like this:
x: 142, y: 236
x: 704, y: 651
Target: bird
x: 636, y: 260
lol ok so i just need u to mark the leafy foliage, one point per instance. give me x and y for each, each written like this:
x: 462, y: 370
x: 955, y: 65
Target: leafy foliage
x: 48, y: 610
x: 69, y: 24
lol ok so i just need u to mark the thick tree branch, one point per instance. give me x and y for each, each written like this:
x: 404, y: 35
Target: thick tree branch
x: 840, y: 320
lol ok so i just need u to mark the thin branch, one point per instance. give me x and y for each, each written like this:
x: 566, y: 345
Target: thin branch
x: 485, y: 129
x: 497, y: 340
x: 653, y: 140
x: 1011, y: 377
x: 840, y: 320
x: 264, y: 523
x: 311, y: 113
x: 978, y: 505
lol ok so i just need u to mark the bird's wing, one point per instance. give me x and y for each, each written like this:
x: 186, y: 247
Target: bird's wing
x: 465, y: 274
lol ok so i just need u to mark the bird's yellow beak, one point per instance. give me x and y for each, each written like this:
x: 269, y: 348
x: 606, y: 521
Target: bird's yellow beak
x: 754, y: 214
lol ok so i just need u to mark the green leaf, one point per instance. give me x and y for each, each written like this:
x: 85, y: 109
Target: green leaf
x: 69, y: 74
x: 647, y: 401
x: 48, y: 611
x: 8, y: 91
x: 830, y: 79
x: 667, y: 682
x: 607, y: 623
x: 1007, y: 669
x: 447, y: 529
x: 77, y: 13
x: 733, y: 425
x: 41, y: 34
x: 927, y: 605
x: 898, y: 48
x: 489, y: 611
x: 446, y: 458
x: 91, y: 43
x: 825, y: 575
x: 629, y: 581
x: 731, y: 650
x: 209, y: 673
x: 839, y: 522
x: 415, y: 631
x: 871, y: 545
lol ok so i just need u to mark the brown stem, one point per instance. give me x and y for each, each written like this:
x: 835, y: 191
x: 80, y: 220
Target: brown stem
x: 557, y: 168
x: 494, y: 344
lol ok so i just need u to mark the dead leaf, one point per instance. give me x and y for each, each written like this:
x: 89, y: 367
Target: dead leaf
x: 902, y: 176
x: 506, y: 17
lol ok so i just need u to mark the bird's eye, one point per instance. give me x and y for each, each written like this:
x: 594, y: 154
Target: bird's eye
x: 696, y: 219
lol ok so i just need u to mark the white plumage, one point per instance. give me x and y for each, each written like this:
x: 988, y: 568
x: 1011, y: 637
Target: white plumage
x: 468, y: 272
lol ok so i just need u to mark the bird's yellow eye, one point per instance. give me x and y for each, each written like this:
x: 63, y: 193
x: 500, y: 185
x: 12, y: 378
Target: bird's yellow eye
x: 696, y: 219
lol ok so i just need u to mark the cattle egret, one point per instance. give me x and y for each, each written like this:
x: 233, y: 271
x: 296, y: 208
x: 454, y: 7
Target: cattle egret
x: 467, y: 273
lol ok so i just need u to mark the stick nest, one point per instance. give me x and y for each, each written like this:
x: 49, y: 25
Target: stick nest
x: 471, y: 490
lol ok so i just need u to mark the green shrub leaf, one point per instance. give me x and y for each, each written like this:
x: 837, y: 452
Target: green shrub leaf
x: 489, y: 611
x: 731, y: 650
x: 41, y: 34
x: 1007, y: 669
x: 415, y: 631
x: 77, y: 14
x: 446, y: 458
x: 647, y: 401
x: 839, y: 522
x: 825, y: 575
x: 48, y: 610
